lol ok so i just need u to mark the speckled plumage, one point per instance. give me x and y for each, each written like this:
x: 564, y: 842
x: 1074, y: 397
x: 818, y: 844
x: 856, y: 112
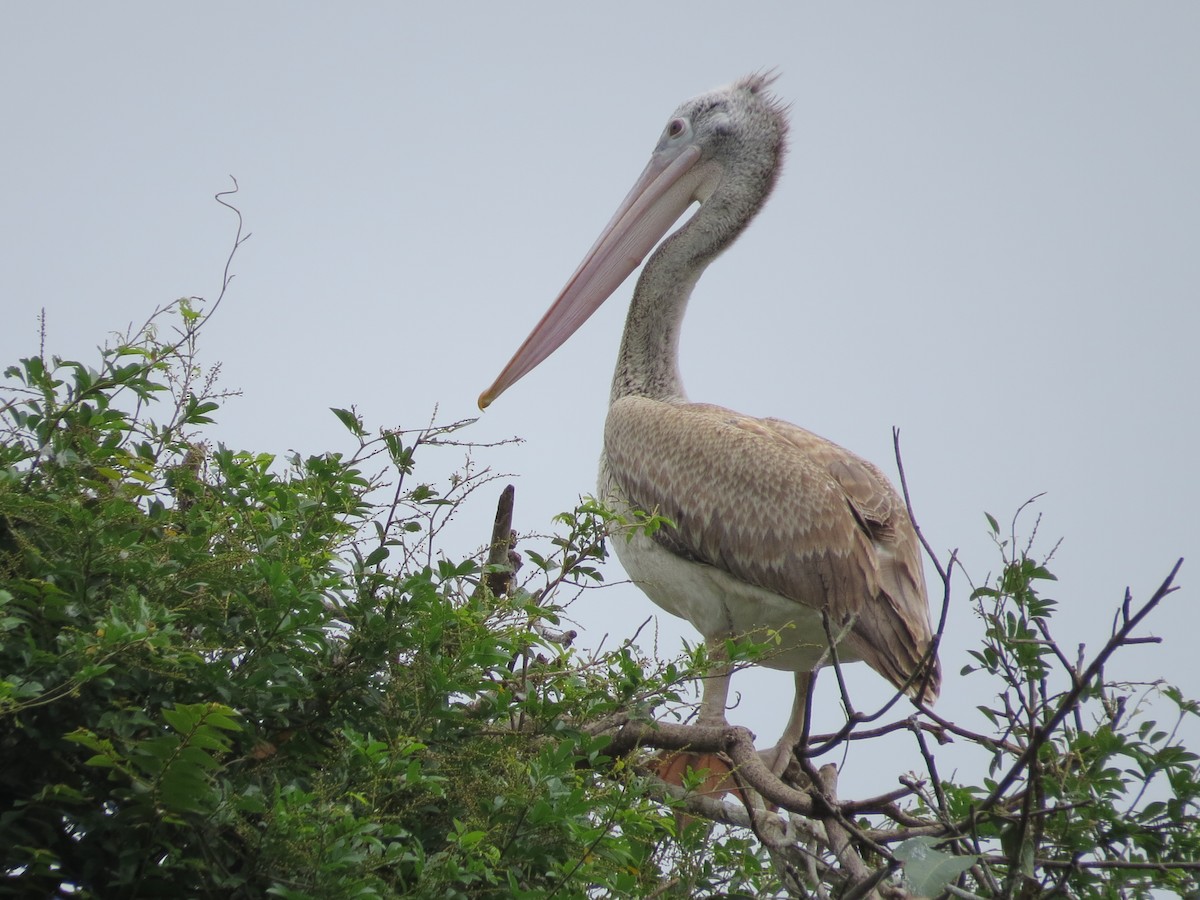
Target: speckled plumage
x: 776, y: 507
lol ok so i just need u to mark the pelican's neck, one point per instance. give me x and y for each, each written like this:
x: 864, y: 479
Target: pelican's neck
x: 648, y: 363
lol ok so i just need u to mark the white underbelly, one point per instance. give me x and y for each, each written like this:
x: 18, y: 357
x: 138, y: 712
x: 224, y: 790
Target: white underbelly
x: 719, y: 605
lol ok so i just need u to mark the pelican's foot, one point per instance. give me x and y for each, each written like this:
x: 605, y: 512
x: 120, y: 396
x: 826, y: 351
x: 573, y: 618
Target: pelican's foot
x: 715, y: 771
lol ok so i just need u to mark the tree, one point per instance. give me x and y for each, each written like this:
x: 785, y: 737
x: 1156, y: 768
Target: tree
x: 228, y: 674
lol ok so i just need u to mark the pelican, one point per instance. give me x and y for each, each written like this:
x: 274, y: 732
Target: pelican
x: 778, y: 533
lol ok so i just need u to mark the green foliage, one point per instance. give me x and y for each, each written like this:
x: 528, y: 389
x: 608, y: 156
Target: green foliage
x: 1085, y: 789
x: 226, y: 674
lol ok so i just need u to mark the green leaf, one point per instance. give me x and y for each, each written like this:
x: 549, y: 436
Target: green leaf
x: 376, y: 556
x: 928, y: 870
x: 182, y: 718
x: 470, y: 839
x: 352, y: 422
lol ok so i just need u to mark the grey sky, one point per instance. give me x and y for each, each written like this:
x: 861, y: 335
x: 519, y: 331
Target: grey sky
x: 986, y: 234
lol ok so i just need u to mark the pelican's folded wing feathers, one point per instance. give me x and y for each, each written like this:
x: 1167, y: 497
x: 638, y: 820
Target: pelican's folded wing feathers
x: 783, y: 509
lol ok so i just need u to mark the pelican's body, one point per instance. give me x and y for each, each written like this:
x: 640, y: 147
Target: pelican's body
x: 778, y: 532
x: 800, y: 509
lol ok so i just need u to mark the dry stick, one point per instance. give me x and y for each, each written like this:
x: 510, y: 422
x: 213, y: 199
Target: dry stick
x: 835, y: 662
x: 973, y: 736
x: 498, y: 570
x: 912, y: 826
x: 944, y: 573
x: 938, y: 727
x: 871, y: 804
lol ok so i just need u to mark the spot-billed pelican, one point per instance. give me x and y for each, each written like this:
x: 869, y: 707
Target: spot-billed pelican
x: 773, y: 524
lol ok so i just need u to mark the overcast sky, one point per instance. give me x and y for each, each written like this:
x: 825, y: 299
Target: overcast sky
x: 987, y: 234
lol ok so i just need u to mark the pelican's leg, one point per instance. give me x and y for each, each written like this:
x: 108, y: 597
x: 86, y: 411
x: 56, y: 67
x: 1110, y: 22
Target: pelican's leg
x: 715, y: 692
x: 778, y: 758
x: 671, y: 766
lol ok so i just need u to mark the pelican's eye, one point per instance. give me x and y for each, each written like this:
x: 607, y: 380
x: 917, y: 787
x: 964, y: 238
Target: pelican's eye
x: 676, y: 128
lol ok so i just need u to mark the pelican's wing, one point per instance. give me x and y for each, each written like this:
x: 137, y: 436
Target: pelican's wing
x: 783, y: 509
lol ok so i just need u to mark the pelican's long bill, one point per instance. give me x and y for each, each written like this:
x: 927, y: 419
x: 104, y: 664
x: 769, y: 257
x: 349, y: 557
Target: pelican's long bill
x: 669, y: 185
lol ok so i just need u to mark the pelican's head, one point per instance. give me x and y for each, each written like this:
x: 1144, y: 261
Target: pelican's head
x: 733, y: 137
x: 740, y: 132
